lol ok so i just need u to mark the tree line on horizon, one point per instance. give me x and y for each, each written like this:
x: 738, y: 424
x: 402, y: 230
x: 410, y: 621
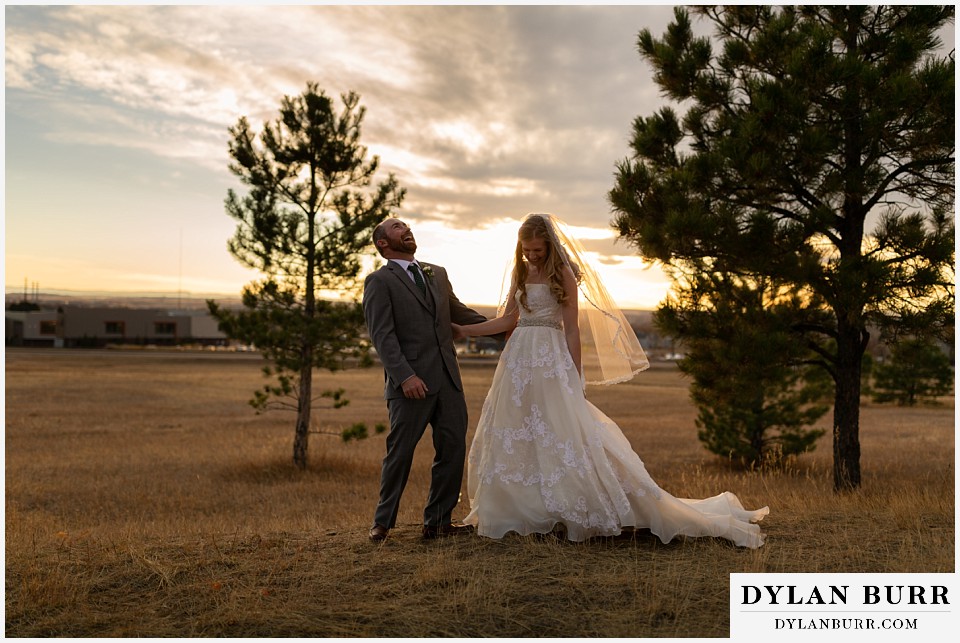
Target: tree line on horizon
x: 804, y: 198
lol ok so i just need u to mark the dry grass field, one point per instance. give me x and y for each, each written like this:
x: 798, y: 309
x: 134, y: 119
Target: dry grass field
x: 145, y: 498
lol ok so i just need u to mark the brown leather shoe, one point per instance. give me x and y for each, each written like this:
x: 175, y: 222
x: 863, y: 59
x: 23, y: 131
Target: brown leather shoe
x: 442, y: 531
x: 378, y: 533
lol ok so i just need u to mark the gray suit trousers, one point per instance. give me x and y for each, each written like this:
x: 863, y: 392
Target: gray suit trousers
x: 446, y: 413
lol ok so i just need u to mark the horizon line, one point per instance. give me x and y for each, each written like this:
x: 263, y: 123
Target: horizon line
x: 171, y: 294
x: 18, y: 291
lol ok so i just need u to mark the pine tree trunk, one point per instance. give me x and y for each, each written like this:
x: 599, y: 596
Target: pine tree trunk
x: 846, y: 410
x: 757, y: 429
x: 300, y: 439
x: 849, y: 282
x: 304, y: 404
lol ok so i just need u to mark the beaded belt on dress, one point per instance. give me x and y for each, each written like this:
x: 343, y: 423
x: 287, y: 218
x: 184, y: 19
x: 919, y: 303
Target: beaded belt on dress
x: 549, y: 323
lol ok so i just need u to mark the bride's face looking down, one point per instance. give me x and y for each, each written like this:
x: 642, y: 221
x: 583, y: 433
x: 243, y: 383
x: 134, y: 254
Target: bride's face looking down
x: 534, y: 251
x: 537, y: 257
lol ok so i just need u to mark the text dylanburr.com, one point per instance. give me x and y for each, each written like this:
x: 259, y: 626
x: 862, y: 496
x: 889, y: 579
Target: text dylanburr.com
x: 847, y: 607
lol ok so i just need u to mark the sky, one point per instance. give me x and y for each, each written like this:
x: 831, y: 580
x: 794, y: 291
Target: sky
x: 117, y: 122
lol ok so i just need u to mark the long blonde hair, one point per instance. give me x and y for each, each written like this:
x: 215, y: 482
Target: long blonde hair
x: 535, y: 227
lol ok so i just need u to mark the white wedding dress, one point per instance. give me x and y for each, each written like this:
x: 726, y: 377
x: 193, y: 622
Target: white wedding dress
x: 544, y: 455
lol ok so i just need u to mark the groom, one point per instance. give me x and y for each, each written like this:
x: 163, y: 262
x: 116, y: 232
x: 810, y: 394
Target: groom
x: 408, y: 308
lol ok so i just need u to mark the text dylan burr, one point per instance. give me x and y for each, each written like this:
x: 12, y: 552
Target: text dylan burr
x: 838, y: 594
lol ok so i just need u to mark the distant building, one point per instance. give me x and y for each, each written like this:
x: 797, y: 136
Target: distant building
x: 31, y: 328
x: 79, y: 326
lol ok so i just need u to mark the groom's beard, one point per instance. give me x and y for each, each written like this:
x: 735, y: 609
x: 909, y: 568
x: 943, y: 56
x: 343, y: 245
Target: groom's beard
x: 408, y: 246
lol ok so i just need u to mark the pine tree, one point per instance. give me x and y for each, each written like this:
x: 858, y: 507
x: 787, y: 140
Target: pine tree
x: 817, y: 150
x: 753, y: 383
x: 305, y: 223
x: 917, y: 371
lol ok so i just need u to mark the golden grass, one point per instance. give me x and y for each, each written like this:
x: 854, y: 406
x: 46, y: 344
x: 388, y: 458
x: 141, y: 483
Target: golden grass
x: 144, y: 498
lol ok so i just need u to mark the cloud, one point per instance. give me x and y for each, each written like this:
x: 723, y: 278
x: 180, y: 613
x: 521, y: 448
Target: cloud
x: 541, y: 97
x: 532, y: 96
x: 482, y: 112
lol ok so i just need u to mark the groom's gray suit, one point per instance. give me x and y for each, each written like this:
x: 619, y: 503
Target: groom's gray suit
x: 412, y: 334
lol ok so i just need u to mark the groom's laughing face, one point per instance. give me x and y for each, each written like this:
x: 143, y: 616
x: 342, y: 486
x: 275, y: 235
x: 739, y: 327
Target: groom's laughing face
x: 399, y: 237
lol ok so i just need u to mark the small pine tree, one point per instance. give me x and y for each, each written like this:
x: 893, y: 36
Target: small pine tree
x: 305, y: 223
x: 754, y: 385
x: 917, y: 371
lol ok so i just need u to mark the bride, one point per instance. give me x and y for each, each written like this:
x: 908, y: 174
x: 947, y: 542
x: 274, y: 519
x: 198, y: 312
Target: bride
x: 543, y: 455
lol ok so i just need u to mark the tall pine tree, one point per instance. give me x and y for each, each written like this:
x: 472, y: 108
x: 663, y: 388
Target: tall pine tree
x: 305, y: 223
x: 817, y: 149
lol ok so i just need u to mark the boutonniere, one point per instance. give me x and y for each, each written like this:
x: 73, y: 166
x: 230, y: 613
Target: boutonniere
x: 428, y: 271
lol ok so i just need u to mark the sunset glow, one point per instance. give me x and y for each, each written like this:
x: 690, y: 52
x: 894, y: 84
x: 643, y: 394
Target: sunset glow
x: 118, y: 117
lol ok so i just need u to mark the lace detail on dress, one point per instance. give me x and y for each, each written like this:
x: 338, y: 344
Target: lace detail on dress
x: 561, y: 465
x: 546, y: 361
x: 563, y: 459
x: 533, y: 432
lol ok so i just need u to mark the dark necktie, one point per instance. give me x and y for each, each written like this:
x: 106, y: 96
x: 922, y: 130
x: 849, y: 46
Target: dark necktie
x: 417, y: 277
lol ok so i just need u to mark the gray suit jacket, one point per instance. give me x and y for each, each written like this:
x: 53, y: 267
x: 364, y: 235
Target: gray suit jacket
x: 410, y: 331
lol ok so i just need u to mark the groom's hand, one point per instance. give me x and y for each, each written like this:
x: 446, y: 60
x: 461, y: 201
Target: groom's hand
x: 414, y: 388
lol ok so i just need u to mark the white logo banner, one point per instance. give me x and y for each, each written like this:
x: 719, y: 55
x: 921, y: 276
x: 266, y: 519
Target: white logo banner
x: 843, y: 607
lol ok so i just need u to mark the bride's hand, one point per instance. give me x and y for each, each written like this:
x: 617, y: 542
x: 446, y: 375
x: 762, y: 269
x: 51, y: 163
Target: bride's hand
x: 458, y: 332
